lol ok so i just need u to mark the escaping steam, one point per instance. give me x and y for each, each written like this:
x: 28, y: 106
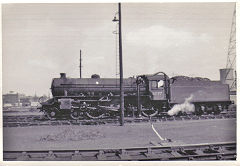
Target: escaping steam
x: 187, y: 106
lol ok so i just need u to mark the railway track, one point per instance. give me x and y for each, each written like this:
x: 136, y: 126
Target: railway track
x: 216, y: 151
x: 40, y: 120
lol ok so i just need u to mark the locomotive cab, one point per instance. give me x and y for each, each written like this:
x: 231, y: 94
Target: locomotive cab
x: 158, y: 86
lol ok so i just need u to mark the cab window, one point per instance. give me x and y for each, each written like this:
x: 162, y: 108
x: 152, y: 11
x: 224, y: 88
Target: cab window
x: 157, y: 84
x: 160, y: 83
x: 154, y: 84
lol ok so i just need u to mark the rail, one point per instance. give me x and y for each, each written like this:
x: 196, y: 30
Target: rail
x: 215, y: 151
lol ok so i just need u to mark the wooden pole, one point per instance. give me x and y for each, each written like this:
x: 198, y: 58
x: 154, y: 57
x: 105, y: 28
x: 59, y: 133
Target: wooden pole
x: 121, y: 68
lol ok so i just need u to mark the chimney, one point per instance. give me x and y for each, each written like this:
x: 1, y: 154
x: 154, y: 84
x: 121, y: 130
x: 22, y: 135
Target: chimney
x: 226, y: 76
x: 63, y: 75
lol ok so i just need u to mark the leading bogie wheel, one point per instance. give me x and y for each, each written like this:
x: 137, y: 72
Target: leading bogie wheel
x: 52, y: 113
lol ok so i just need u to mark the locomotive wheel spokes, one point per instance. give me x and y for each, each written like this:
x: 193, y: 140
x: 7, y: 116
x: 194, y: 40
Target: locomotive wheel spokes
x: 149, y: 112
x: 216, y: 109
x: 94, y: 113
x: 52, y: 113
x: 75, y: 114
x: 199, y: 110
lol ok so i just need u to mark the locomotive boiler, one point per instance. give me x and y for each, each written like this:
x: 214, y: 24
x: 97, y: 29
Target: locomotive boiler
x: 148, y: 95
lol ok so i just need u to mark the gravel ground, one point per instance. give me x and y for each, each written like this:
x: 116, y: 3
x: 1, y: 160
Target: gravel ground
x: 114, y: 136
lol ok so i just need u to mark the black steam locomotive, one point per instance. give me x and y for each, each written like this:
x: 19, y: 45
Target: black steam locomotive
x: 148, y: 95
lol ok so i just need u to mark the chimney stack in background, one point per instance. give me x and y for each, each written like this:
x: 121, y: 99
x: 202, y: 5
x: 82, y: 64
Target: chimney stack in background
x: 226, y: 76
x: 63, y: 75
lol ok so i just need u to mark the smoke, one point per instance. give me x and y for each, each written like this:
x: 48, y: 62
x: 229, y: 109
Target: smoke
x: 187, y: 106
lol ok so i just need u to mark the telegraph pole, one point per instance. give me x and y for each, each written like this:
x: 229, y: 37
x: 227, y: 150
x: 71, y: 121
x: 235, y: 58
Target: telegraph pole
x: 121, y: 67
x: 80, y: 66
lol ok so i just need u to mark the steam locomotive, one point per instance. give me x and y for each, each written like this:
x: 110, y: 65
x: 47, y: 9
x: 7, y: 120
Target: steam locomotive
x: 147, y: 95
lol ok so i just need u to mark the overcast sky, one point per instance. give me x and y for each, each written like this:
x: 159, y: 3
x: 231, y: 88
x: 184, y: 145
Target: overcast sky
x: 42, y: 40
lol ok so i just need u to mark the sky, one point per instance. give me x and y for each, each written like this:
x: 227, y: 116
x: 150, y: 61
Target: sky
x: 39, y: 41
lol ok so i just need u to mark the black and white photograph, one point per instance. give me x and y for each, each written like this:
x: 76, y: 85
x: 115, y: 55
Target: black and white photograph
x: 119, y: 81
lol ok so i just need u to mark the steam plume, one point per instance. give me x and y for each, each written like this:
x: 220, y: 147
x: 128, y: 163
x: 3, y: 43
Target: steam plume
x: 187, y: 106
